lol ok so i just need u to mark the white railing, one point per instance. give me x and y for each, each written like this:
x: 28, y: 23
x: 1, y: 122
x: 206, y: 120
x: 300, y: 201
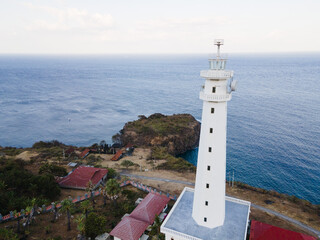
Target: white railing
x: 214, y: 97
x: 216, y: 74
x: 179, y: 234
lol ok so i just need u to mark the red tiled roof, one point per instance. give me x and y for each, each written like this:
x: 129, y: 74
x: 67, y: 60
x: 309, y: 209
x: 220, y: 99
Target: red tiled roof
x: 84, y: 153
x: 81, y: 176
x: 116, y: 156
x: 133, y: 226
x: 151, y: 205
x: 129, y: 229
x: 263, y: 231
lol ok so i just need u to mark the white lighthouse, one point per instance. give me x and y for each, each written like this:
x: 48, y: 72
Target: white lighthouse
x: 209, y: 197
x: 205, y: 213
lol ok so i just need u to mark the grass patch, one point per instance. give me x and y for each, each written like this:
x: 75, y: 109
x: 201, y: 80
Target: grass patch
x: 172, y: 163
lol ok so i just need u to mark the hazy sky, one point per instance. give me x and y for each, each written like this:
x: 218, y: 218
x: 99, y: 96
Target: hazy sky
x: 162, y: 26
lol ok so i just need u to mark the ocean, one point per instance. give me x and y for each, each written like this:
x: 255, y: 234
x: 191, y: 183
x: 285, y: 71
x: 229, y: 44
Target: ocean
x: 273, y: 119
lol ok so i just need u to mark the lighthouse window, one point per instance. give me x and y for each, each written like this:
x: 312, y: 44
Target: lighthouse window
x: 211, y: 130
x: 206, y: 203
x: 208, y: 168
x: 213, y: 89
x: 210, y: 149
x: 207, y: 185
x: 205, y: 219
x: 212, y: 110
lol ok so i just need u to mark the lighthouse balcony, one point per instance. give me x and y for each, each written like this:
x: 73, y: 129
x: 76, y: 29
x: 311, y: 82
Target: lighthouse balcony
x: 214, y: 97
x: 216, y: 74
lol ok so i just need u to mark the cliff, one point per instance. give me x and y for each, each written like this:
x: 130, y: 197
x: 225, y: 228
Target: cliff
x: 177, y: 133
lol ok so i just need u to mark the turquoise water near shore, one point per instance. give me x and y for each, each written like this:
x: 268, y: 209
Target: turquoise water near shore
x: 273, y: 118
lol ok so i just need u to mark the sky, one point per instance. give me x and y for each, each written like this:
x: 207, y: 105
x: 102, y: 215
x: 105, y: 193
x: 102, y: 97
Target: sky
x: 162, y: 26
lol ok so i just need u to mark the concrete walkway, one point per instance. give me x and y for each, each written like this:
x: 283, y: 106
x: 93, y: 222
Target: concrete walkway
x: 300, y: 224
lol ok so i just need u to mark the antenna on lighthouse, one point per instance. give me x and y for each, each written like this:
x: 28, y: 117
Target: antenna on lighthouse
x: 218, y: 42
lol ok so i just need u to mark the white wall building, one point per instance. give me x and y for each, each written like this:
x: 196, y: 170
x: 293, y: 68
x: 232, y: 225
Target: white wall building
x: 206, y: 213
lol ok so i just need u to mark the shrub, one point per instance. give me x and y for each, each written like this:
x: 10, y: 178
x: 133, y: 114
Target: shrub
x: 49, y: 144
x: 94, y: 225
x: 127, y: 164
x: 53, y: 169
x: 112, y: 173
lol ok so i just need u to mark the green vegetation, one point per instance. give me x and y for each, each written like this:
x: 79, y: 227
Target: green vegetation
x: 50, y: 144
x: 18, y: 186
x: 127, y: 164
x: 112, y: 173
x: 53, y: 169
x: 155, y: 229
x: 67, y: 206
x: 11, y: 151
x: 8, y: 234
x: 173, y: 163
x: 158, y: 124
x: 94, y: 225
x: 113, y: 189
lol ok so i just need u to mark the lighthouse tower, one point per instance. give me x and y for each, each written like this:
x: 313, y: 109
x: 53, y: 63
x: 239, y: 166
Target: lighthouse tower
x: 209, y: 196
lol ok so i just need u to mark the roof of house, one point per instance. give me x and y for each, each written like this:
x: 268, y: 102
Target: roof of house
x: 84, y: 153
x: 117, y: 156
x: 129, y: 229
x: 133, y: 226
x: 80, y: 177
x: 151, y: 205
x: 263, y: 231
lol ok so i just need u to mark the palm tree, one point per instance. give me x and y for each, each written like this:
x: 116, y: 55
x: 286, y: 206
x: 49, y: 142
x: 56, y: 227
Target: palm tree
x: 113, y: 189
x: 104, y: 194
x: 80, y: 225
x: 54, y: 211
x: 17, y: 216
x: 67, y: 206
x: 29, y: 211
x: 85, y: 206
x: 90, y: 188
x: 155, y: 229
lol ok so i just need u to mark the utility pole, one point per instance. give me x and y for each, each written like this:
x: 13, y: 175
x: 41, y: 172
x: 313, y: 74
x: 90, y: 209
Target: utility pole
x: 232, y: 178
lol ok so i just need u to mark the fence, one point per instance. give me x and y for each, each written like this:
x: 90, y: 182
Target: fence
x: 45, y: 209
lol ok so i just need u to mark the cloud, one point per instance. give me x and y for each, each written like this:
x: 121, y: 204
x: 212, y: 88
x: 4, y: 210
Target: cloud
x: 69, y: 19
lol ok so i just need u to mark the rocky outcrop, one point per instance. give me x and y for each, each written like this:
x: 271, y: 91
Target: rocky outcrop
x: 178, y: 132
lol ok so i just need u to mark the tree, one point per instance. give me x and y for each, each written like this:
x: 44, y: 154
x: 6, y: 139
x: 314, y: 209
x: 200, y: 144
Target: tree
x: 155, y: 229
x: 89, y: 189
x: 116, y: 138
x: 17, y: 216
x: 67, y: 206
x: 103, y: 145
x: 85, y: 206
x: 54, y: 211
x: 127, y: 164
x: 112, y: 173
x: 94, y: 225
x: 80, y: 220
x: 113, y: 189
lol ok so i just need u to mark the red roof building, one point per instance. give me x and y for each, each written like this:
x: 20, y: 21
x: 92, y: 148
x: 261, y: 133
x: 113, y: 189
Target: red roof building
x: 151, y: 205
x: 129, y: 229
x: 117, y: 156
x: 80, y: 177
x: 133, y: 226
x: 84, y: 153
x: 263, y: 231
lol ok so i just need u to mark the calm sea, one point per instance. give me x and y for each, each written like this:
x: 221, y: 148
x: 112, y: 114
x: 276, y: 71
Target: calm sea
x: 273, y: 118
